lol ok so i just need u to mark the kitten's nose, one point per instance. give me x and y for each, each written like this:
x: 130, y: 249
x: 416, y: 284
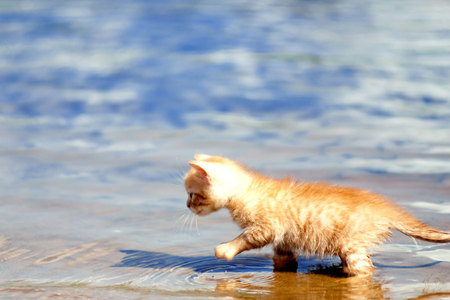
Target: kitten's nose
x: 188, y: 204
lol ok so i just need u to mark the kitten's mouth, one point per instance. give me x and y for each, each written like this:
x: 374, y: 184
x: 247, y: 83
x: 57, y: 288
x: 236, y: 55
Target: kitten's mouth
x: 195, y: 211
x: 193, y: 208
x: 199, y: 211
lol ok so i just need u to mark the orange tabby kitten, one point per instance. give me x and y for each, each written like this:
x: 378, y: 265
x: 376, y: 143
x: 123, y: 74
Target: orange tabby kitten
x: 314, y: 218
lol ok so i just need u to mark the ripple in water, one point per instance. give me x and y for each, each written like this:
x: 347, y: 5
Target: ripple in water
x: 169, y: 270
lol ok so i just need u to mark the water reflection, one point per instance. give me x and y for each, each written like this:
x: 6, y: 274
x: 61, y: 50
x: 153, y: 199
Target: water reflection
x: 320, y: 279
x: 246, y: 276
x: 305, y: 286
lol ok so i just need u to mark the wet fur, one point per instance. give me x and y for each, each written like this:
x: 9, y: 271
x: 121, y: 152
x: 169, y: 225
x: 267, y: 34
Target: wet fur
x: 308, y: 218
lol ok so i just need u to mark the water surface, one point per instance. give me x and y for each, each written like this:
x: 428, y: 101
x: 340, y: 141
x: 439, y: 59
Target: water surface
x: 102, y: 104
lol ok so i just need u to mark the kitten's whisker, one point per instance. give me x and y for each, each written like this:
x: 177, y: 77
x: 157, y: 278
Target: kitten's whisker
x: 181, y: 176
x: 178, y: 176
x: 186, y: 223
x: 179, y: 219
x: 191, y: 223
x: 196, y: 226
x: 183, y: 222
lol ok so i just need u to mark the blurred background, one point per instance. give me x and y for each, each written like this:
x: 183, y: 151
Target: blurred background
x: 102, y: 103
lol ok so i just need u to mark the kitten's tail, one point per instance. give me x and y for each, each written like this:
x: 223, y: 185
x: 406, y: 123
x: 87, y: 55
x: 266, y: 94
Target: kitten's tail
x: 409, y: 225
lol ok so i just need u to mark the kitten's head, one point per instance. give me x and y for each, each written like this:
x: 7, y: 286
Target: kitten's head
x: 210, y: 183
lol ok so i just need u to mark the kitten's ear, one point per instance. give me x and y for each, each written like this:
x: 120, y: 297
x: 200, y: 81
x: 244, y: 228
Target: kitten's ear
x: 202, y: 174
x: 201, y: 156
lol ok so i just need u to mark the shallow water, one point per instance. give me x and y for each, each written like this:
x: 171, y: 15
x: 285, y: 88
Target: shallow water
x: 102, y: 104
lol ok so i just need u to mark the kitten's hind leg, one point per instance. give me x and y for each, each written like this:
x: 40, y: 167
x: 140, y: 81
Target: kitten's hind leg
x: 284, y: 260
x: 357, y: 263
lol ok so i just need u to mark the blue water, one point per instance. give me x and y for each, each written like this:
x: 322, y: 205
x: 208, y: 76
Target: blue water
x: 102, y: 103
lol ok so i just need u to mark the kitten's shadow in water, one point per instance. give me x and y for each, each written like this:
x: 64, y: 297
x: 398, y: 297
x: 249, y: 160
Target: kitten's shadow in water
x: 199, y: 264
x: 210, y: 264
x: 241, y: 263
x: 323, y: 278
x: 253, y: 275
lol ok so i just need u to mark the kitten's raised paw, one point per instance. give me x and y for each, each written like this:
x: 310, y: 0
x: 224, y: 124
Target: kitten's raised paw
x: 225, y: 251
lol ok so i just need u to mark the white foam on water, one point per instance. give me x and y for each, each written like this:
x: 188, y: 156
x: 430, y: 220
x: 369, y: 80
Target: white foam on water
x: 440, y: 208
x: 437, y: 254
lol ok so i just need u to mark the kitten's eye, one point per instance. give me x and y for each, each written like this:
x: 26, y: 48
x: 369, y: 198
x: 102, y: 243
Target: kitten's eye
x: 191, y: 195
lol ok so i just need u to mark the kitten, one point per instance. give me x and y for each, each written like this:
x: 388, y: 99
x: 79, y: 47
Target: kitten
x: 312, y: 218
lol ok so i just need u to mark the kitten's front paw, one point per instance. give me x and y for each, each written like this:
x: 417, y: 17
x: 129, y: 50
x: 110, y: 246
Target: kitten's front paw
x: 225, y: 251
